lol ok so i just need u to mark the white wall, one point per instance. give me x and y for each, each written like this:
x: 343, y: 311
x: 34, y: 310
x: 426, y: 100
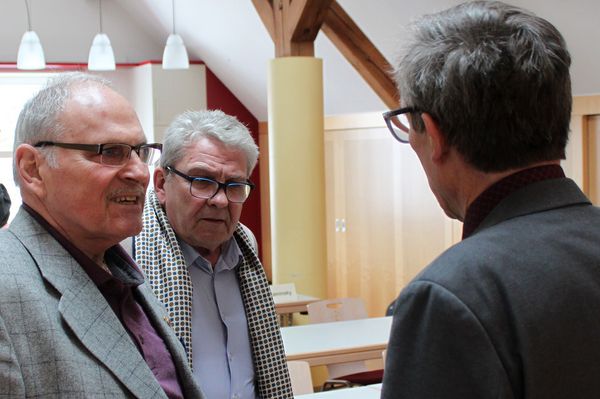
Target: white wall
x: 230, y: 38
x: 176, y: 91
x: 135, y: 84
x: 159, y: 95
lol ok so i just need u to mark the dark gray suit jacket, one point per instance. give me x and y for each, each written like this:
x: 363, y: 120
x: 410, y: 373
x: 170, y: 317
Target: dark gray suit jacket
x: 511, y: 312
x: 59, y: 338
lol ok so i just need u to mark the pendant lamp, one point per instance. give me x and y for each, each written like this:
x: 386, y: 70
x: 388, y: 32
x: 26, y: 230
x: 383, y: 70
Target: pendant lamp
x: 31, y: 53
x: 101, y: 56
x: 175, y: 55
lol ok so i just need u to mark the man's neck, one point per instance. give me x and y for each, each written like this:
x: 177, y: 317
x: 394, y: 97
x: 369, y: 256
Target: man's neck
x: 212, y: 256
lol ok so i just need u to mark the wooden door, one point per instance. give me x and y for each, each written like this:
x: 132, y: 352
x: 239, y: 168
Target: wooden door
x: 383, y: 223
x: 593, y: 163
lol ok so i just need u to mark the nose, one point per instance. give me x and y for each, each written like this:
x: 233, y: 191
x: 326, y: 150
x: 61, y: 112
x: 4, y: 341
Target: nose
x: 136, y: 170
x: 220, y: 199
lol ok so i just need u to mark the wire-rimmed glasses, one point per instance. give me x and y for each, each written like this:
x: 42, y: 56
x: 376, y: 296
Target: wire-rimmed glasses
x: 113, y: 154
x: 203, y: 187
x: 398, y: 122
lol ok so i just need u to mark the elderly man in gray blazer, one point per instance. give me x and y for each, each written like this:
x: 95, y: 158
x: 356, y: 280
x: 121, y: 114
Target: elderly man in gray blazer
x: 512, y: 310
x: 76, y: 317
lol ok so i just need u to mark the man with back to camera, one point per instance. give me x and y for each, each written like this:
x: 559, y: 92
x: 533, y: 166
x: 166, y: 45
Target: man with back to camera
x: 76, y: 319
x: 202, y: 263
x: 512, y: 310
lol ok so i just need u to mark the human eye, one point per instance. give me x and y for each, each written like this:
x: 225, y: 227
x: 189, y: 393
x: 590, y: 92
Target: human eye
x: 143, y: 151
x: 237, y: 186
x: 238, y: 191
x: 235, y: 183
x: 203, y: 187
x: 113, y: 154
x: 203, y: 182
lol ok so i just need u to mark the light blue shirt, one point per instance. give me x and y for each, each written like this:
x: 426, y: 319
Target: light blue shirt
x: 222, y: 354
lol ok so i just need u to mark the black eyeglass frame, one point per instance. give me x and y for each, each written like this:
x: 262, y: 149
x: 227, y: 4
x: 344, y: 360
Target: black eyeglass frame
x: 220, y: 185
x: 99, y: 148
x: 389, y: 121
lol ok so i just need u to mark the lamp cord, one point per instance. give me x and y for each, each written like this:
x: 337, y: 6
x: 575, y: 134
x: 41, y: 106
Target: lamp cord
x: 28, y: 16
x: 173, y: 8
x: 100, y: 14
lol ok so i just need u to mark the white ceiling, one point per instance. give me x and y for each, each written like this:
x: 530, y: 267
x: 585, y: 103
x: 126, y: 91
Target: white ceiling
x: 229, y: 37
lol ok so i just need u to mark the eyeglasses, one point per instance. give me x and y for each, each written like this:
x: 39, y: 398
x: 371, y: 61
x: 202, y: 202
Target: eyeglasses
x: 113, y: 154
x: 203, y: 187
x: 398, y: 123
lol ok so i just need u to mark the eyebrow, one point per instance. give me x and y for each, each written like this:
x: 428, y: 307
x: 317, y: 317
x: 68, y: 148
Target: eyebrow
x: 206, y: 172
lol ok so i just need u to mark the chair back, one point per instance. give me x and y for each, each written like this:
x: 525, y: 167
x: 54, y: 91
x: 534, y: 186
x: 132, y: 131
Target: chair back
x: 338, y: 309
x: 301, y: 377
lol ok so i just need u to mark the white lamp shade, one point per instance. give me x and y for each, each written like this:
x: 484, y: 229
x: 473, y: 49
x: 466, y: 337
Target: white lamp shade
x: 175, y: 55
x: 31, y: 53
x: 101, y: 56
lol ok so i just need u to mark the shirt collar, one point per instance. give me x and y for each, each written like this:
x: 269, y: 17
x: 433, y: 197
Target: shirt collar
x: 229, y: 258
x: 493, y: 195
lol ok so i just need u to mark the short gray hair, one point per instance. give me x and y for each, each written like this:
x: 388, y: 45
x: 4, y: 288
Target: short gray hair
x: 495, y: 78
x: 191, y: 126
x: 39, y: 118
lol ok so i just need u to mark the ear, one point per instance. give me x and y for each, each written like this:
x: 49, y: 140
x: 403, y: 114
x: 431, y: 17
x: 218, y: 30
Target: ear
x: 437, y: 139
x: 159, y: 184
x: 28, y: 162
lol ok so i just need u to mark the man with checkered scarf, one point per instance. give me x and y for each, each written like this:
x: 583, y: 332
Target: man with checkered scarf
x: 202, y: 263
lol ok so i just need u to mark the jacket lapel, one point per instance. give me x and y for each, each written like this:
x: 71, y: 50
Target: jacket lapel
x: 158, y: 317
x: 85, y: 310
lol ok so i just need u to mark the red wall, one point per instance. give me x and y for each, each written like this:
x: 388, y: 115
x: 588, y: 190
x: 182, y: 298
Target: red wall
x: 219, y: 97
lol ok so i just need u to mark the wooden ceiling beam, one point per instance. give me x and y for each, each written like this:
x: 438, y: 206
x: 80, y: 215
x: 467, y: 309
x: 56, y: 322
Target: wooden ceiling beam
x: 306, y: 18
x: 361, y: 53
x: 292, y: 24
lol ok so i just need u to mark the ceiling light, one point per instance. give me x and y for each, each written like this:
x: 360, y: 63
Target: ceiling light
x: 31, y: 53
x: 101, y: 56
x: 175, y: 55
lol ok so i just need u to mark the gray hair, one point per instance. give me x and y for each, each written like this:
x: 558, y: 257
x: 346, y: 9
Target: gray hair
x: 191, y: 126
x: 496, y: 80
x: 39, y: 118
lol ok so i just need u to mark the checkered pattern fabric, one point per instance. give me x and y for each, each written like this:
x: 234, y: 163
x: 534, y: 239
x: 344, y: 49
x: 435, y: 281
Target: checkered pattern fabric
x: 157, y: 252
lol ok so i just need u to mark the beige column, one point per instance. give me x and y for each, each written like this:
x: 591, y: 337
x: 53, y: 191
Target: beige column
x: 297, y: 174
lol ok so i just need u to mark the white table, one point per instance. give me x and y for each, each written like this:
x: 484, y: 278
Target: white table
x: 337, y: 342
x: 365, y: 392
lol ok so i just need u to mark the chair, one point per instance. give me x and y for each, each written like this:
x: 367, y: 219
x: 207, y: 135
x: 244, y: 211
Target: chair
x: 300, y: 376
x: 339, y: 309
x: 336, y: 310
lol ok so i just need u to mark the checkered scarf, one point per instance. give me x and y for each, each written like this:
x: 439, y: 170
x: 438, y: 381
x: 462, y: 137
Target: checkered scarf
x: 159, y: 255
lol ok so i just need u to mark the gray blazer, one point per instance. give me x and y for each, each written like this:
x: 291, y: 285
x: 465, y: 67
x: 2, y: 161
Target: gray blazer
x: 59, y: 338
x: 513, y: 311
